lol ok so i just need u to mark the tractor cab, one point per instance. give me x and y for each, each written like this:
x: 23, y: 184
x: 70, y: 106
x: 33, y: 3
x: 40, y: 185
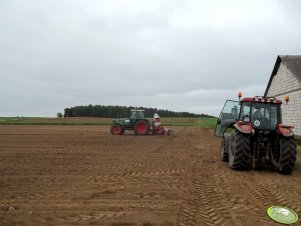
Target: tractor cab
x: 263, y: 115
x: 259, y: 113
x: 137, y: 114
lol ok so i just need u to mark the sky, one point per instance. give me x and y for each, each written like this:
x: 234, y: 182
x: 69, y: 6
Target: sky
x: 180, y: 55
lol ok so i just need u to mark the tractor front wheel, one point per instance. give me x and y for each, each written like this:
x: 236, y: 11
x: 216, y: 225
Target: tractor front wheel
x: 116, y: 129
x: 141, y: 127
x: 239, y: 150
x: 287, y: 155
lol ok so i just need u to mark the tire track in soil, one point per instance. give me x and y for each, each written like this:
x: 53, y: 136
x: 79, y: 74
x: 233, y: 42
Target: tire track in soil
x: 94, y: 205
x: 247, y: 198
x: 225, y: 197
x: 279, y: 186
x: 253, y: 196
x: 266, y: 194
x: 200, y: 204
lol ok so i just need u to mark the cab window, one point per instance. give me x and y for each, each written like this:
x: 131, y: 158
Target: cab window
x: 245, y: 112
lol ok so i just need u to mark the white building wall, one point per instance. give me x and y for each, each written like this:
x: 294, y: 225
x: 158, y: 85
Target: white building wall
x: 284, y: 83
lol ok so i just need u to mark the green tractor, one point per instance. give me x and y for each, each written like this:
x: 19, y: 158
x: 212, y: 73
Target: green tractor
x: 136, y: 122
x: 252, y: 132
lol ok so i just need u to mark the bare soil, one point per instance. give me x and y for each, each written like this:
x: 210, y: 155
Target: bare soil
x: 82, y: 175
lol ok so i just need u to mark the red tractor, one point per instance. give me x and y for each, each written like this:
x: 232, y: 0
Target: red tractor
x: 252, y: 132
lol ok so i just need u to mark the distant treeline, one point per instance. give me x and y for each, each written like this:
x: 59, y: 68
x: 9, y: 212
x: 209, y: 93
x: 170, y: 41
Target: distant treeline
x: 121, y: 112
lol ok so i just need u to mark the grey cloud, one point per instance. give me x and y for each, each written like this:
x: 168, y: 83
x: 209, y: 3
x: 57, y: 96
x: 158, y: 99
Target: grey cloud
x: 63, y: 53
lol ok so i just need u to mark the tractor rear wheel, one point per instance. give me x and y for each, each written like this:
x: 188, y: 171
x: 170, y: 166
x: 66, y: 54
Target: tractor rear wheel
x: 287, y: 155
x: 225, y: 148
x: 116, y: 129
x: 141, y: 127
x: 239, y: 150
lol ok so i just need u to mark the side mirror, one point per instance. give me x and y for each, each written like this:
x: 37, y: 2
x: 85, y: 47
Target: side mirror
x: 218, y: 121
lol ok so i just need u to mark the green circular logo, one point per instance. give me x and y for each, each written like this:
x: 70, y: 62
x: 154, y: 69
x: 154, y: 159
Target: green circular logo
x: 282, y: 215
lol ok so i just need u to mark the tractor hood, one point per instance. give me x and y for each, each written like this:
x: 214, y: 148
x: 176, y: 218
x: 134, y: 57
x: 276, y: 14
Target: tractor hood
x: 121, y: 121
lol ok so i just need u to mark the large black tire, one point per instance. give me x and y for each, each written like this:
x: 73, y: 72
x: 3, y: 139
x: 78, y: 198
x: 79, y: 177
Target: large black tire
x: 141, y: 127
x: 239, y: 150
x: 225, y: 147
x: 287, y: 155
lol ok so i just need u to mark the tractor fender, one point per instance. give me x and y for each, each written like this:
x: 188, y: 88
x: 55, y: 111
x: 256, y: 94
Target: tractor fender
x: 243, y: 127
x: 142, y: 119
x: 284, y: 130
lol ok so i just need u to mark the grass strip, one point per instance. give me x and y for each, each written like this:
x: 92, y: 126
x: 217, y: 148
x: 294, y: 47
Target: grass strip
x: 57, y: 123
x: 203, y: 122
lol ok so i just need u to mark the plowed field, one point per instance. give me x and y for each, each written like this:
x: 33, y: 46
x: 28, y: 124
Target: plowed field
x: 82, y: 175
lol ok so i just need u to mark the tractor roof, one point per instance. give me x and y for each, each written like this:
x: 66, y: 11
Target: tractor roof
x: 137, y: 110
x: 259, y: 99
